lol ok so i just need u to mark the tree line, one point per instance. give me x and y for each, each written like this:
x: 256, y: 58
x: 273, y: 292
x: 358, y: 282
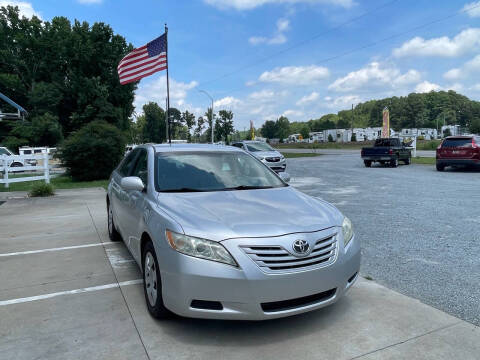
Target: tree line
x: 428, y: 110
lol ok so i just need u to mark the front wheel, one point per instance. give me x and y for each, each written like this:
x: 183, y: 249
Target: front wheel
x: 152, y: 283
x: 368, y: 163
x: 113, y: 234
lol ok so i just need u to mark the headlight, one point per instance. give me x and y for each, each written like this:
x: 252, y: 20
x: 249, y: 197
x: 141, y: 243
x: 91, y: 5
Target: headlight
x: 347, y: 229
x: 200, y: 248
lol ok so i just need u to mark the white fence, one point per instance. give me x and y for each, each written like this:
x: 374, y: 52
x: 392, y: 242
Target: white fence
x: 20, y: 163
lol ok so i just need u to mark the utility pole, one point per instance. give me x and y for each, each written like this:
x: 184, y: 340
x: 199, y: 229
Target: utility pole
x: 353, y: 114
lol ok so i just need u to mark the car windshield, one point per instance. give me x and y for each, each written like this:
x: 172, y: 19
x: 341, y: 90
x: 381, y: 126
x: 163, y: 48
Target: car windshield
x: 211, y: 171
x: 260, y: 146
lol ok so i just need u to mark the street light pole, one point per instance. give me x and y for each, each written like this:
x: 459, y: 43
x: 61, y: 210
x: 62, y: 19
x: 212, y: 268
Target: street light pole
x: 211, y: 99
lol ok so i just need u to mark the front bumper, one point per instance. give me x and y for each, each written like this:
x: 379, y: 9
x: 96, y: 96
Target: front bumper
x: 242, y: 291
x: 278, y: 166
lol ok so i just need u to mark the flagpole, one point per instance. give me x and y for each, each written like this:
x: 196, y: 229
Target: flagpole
x: 169, y: 130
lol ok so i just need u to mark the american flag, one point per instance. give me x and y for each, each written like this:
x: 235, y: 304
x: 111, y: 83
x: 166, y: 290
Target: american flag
x: 144, y: 61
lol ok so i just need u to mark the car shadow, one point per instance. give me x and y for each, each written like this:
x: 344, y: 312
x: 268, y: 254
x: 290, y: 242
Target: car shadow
x: 252, y: 333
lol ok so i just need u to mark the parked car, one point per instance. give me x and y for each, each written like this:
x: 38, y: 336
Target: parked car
x: 387, y: 151
x: 217, y: 235
x: 19, y: 162
x: 265, y: 153
x: 458, y: 151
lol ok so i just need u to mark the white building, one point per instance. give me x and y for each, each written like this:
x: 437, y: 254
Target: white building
x: 454, y: 130
x: 427, y: 133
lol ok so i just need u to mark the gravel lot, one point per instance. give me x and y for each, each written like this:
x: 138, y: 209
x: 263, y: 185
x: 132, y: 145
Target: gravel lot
x: 420, y: 229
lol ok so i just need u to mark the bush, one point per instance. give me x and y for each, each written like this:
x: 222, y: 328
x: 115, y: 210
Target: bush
x: 42, y: 190
x: 92, y: 152
x: 354, y: 137
x: 330, y: 138
x: 421, y: 137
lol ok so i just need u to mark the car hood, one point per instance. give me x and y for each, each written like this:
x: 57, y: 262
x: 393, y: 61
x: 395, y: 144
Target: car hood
x: 266, y: 154
x: 224, y: 215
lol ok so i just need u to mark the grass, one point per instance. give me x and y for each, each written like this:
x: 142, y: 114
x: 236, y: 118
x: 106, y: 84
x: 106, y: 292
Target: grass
x: 42, y: 189
x: 298, y: 155
x: 60, y: 182
x: 424, y: 160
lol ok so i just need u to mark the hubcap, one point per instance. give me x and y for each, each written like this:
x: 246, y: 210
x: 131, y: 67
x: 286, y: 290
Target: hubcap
x: 150, y: 278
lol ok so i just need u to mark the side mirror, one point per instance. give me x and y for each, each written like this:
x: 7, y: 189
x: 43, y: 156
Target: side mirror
x: 132, y: 183
x: 284, y: 176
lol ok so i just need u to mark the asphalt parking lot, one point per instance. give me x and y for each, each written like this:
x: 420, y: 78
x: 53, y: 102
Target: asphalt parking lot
x: 420, y: 229
x: 67, y: 292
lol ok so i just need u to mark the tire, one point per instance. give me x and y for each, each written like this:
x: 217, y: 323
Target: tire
x: 394, y: 162
x: 113, y: 234
x: 152, y: 283
x: 368, y: 163
x: 408, y: 160
x: 16, y: 164
x: 440, y: 167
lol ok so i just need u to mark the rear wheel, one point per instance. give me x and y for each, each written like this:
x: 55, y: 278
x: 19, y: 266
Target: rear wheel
x: 368, y: 163
x: 152, y: 283
x: 113, y: 234
x: 440, y: 167
x: 394, y: 162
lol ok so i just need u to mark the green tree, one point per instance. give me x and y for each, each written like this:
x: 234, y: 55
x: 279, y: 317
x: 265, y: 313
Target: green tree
x: 46, y: 130
x: 200, y: 127
x: 224, y: 125
x: 305, y: 131
x: 283, y: 127
x: 64, y: 69
x: 330, y: 138
x: 210, y: 117
x: 189, y: 121
x: 154, y: 130
x: 92, y: 152
x: 269, y: 129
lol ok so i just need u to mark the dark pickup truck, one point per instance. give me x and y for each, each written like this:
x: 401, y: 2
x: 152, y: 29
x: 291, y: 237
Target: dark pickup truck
x: 386, y: 151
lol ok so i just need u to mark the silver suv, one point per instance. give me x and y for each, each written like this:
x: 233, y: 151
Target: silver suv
x: 265, y: 153
x: 217, y: 235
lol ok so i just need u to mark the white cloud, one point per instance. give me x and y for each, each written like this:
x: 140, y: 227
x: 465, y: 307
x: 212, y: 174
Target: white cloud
x: 308, y: 98
x: 475, y: 87
x: 279, y: 38
x: 342, y: 101
x: 156, y: 90
x: 26, y: 8
x: 466, y: 41
x: 295, y: 75
x: 426, y: 87
x: 226, y: 102
x: 252, y: 4
x: 471, y: 67
x: 472, y: 9
x: 295, y: 114
x: 375, y: 75
x: 88, y: 2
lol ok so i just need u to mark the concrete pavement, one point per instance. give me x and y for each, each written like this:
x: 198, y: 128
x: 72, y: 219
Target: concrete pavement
x: 66, y: 292
x: 420, y: 153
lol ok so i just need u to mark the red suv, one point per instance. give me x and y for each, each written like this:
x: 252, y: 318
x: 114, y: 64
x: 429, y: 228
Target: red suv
x: 458, y: 150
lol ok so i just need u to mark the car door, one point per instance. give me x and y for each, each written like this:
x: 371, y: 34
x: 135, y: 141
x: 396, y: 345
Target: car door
x: 135, y: 205
x: 119, y: 195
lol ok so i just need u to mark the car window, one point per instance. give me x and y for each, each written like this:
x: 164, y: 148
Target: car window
x: 4, y: 152
x: 126, y: 166
x: 457, y: 142
x: 239, y: 145
x: 141, y: 167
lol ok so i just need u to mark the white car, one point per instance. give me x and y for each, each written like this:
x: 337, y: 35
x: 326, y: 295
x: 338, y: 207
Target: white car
x: 16, y: 162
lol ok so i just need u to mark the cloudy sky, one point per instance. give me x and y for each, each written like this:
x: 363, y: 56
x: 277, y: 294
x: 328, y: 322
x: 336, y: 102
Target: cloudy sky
x: 299, y: 58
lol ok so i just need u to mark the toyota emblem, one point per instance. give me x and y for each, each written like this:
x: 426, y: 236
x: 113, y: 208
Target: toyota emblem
x: 301, y: 247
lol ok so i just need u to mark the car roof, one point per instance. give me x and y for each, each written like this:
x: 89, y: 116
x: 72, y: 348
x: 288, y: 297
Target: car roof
x: 192, y: 147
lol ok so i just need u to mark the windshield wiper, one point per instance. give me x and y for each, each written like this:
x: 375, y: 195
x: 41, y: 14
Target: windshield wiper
x: 184, y: 189
x: 247, y: 187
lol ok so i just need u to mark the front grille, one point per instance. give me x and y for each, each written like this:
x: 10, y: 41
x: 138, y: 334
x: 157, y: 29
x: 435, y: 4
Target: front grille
x: 298, y: 302
x: 273, y: 259
x: 272, y: 159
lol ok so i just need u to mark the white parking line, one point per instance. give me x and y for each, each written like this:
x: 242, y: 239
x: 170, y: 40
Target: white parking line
x: 70, y: 292
x: 54, y: 249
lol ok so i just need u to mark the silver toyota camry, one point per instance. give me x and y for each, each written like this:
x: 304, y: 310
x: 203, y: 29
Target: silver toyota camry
x: 217, y: 234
